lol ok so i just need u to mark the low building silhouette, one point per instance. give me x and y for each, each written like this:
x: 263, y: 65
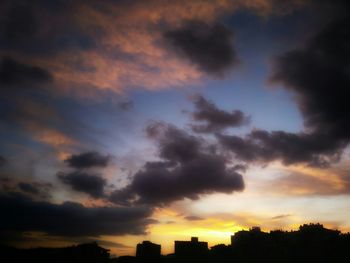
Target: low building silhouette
x: 191, y: 249
x: 126, y: 259
x: 220, y: 253
x: 148, y: 252
x: 243, y: 236
x: 83, y: 253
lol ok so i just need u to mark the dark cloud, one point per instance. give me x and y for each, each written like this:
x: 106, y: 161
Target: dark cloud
x: 174, y: 144
x: 35, y: 189
x: 204, y: 175
x: 215, y: 119
x: 40, y: 27
x: 18, y: 23
x: 278, y: 217
x: 3, y: 161
x: 290, y: 148
x: 88, y: 160
x: 92, y: 184
x: 13, y: 72
x: 160, y: 164
x: 10, y: 182
x: 27, y: 187
x: 319, y: 76
x: 193, y: 218
x: 21, y: 214
x: 210, y: 47
x: 314, y: 149
x: 197, y: 172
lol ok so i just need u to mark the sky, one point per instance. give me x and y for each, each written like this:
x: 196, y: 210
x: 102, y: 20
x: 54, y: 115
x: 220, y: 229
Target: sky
x: 123, y: 121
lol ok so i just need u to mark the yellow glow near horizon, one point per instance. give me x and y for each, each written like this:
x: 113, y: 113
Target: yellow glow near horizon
x: 212, y: 230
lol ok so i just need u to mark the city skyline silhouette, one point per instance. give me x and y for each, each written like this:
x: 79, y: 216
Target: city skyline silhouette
x: 310, y: 242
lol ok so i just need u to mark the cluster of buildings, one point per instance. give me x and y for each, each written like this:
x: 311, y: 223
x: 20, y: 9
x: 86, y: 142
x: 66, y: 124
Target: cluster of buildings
x: 193, y: 248
x: 149, y: 251
x: 311, y: 243
x: 275, y: 244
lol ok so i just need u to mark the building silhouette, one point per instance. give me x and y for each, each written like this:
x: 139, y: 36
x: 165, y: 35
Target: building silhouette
x: 243, y: 236
x: 220, y: 253
x: 191, y: 249
x: 83, y: 253
x: 148, y: 252
x: 310, y: 243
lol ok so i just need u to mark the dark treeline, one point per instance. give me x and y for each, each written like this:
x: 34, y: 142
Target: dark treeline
x: 88, y: 253
x: 311, y: 243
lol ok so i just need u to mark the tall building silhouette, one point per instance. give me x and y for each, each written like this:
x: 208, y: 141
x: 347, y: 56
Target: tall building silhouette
x: 148, y: 252
x: 191, y: 249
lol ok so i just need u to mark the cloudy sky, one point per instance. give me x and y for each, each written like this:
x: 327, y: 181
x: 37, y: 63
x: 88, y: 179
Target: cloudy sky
x: 123, y: 121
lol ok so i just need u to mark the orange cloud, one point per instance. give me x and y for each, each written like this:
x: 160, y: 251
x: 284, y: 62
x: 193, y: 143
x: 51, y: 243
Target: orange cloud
x: 303, y: 181
x: 52, y: 137
x: 128, y: 52
x: 33, y: 116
